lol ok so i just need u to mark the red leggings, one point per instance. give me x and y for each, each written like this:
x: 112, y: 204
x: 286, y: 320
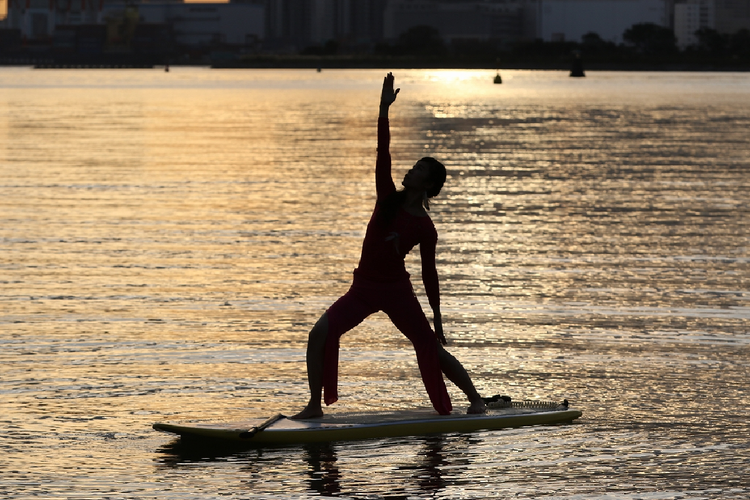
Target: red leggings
x: 398, y: 301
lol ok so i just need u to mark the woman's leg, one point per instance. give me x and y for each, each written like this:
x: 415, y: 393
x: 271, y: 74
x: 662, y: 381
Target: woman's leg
x: 403, y: 308
x: 316, y: 344
x: 405, y: 311
x: 323, y: 349
x: 457, y: 374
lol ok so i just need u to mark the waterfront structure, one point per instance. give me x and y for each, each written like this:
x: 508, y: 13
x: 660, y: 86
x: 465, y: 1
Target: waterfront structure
x: 724, y: 16
x: 193, y: 24
x: 293, y: 25
x: 691, y: 16
x: 37, y: 19
x: 208, y: 24
x: 732, y: 16
x: 569, y: 20
x: 346, y: 26
x: 497, y: 20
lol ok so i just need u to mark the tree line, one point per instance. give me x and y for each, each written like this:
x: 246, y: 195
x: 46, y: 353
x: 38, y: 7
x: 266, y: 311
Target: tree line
x: 644, y: 44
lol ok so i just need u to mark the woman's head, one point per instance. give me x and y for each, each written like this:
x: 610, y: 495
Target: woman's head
x: 427, y: 174
x: 437, y: 176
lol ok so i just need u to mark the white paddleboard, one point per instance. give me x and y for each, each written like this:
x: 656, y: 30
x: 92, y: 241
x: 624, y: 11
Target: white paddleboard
x: 369, y: 425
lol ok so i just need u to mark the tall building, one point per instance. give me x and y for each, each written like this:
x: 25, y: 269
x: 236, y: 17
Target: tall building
x: 725, y: 16
x: 510, y: 20
x: 691, y: 16
x: 732, y: 15
x: 96, y: 25
x: 497, y: 20
x: 569, y: 20
x: 37, y: 19
x: 206, y: 24
x: 293, y: 25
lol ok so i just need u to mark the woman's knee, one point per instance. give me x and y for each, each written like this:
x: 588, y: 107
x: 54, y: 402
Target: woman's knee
x: 319, y: 332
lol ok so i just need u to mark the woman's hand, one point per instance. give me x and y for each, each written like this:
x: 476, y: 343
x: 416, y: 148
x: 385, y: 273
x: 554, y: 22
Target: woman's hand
x: 388, y: 95
x: 438, y: 321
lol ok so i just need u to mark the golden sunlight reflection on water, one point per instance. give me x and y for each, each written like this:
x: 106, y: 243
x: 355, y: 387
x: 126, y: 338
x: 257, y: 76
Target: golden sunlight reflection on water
x: 168, y: 240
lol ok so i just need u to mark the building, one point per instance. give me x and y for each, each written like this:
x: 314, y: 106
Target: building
x: 691, y: 16
x: 569, y: 20
x: 37, y: 19
x: 725, y: 16
x: 293, y: 25
x: 206, y: 24
x: 496, y: 20
x: 290, y: 26
x: 732, y: 16
x: 513, y: 20
x: 191, y: 24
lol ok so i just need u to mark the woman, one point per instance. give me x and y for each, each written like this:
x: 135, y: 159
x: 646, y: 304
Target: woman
x: 381, y: 283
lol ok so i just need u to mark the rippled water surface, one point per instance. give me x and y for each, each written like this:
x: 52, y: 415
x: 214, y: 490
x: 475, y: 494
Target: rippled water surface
x: 168, y: 239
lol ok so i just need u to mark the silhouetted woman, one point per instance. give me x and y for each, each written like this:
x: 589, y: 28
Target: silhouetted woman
x: 381, y: 283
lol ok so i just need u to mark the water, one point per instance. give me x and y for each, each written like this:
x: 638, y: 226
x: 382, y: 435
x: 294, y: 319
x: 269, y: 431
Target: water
x: 168, y: 239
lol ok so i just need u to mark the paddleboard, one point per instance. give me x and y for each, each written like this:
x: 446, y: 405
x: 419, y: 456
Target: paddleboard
x: 279, y: 430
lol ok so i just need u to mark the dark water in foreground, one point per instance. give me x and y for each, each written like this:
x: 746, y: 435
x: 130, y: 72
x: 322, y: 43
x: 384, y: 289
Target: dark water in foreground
x: 167, y: 240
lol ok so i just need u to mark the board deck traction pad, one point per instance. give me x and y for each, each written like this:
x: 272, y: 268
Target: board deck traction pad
x: 502, y: 413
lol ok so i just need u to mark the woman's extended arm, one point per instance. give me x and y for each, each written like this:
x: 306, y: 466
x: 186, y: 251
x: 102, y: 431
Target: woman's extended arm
x: 383, y: 180
x: 388, y: 95
x: 431, y: 284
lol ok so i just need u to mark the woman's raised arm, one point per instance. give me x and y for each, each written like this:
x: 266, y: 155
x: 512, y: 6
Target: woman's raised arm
x: 388, y: 95
x: 383, y: 181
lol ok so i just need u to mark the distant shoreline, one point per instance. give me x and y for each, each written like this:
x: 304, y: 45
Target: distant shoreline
x: 373, y: 62
x: 368, y: 63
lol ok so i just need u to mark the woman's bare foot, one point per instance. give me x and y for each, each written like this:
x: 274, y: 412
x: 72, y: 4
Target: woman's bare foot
x: 477, y: 407
x: 308, y: 412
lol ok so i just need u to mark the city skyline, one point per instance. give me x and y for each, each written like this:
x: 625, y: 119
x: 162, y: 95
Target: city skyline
x: 4, y: 5
x: 473, y: 29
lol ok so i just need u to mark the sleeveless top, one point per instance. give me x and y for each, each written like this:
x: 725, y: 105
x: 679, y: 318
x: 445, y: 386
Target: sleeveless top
x: 386, y: 245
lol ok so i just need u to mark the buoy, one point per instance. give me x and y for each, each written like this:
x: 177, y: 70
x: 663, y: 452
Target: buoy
x: 577, y: 69
x: 498, y: 79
